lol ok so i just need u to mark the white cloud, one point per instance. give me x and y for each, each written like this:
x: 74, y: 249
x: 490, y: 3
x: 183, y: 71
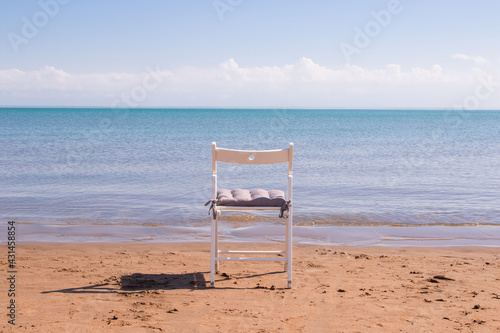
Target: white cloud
x: 478, y: 60
x: 50, y: 78
x: 302, y: 84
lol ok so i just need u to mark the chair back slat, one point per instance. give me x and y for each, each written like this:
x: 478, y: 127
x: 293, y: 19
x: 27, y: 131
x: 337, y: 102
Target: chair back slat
x: 252, y: 157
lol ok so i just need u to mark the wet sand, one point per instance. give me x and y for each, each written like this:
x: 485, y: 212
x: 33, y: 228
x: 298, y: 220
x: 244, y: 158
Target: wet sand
x: 163, y: 287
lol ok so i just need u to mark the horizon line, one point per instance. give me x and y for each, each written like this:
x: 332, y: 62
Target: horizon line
x: 242, y: 107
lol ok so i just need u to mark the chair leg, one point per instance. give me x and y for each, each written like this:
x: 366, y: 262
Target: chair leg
x: 217, y: 242
x: 213, y: 252
x: 285, y: 269
x: 289, y: 247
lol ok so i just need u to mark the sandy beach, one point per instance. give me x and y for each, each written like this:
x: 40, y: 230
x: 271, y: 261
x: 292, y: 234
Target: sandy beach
x: 162, y: 287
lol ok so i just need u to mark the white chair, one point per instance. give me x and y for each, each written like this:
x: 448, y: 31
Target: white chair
x: 244, y: 200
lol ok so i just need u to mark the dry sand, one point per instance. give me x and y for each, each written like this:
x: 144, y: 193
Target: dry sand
x: 163, y: 288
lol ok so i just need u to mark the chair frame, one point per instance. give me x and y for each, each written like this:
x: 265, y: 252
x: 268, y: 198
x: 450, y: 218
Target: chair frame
x: 250, y: 157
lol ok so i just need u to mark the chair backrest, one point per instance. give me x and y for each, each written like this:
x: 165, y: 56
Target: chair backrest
x: 251, y: 156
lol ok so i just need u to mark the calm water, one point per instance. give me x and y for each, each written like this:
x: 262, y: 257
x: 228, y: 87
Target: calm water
x: 153, y: 166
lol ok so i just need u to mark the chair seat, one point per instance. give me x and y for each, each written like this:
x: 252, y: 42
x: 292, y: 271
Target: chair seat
x: 250, y: 198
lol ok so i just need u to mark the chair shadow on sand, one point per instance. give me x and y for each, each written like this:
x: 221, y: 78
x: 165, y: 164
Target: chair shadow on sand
x: 139, y: 282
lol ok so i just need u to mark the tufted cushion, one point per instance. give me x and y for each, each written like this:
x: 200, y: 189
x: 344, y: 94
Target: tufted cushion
x: 253, y: 198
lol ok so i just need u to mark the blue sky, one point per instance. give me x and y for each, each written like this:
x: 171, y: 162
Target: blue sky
x: 251, y: 53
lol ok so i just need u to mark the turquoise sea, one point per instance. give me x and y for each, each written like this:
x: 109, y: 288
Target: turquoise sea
x: 386, y: 177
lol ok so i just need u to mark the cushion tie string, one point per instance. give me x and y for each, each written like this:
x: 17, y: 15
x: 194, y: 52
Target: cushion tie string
x: 285, y: 207
x: 211, y: 209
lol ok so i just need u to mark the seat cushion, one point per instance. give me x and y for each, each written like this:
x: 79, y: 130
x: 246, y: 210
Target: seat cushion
x: 250, y: 198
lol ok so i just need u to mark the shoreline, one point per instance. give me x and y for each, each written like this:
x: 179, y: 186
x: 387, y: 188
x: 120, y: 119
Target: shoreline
x: 384, y: 236
x: 158, y: 287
